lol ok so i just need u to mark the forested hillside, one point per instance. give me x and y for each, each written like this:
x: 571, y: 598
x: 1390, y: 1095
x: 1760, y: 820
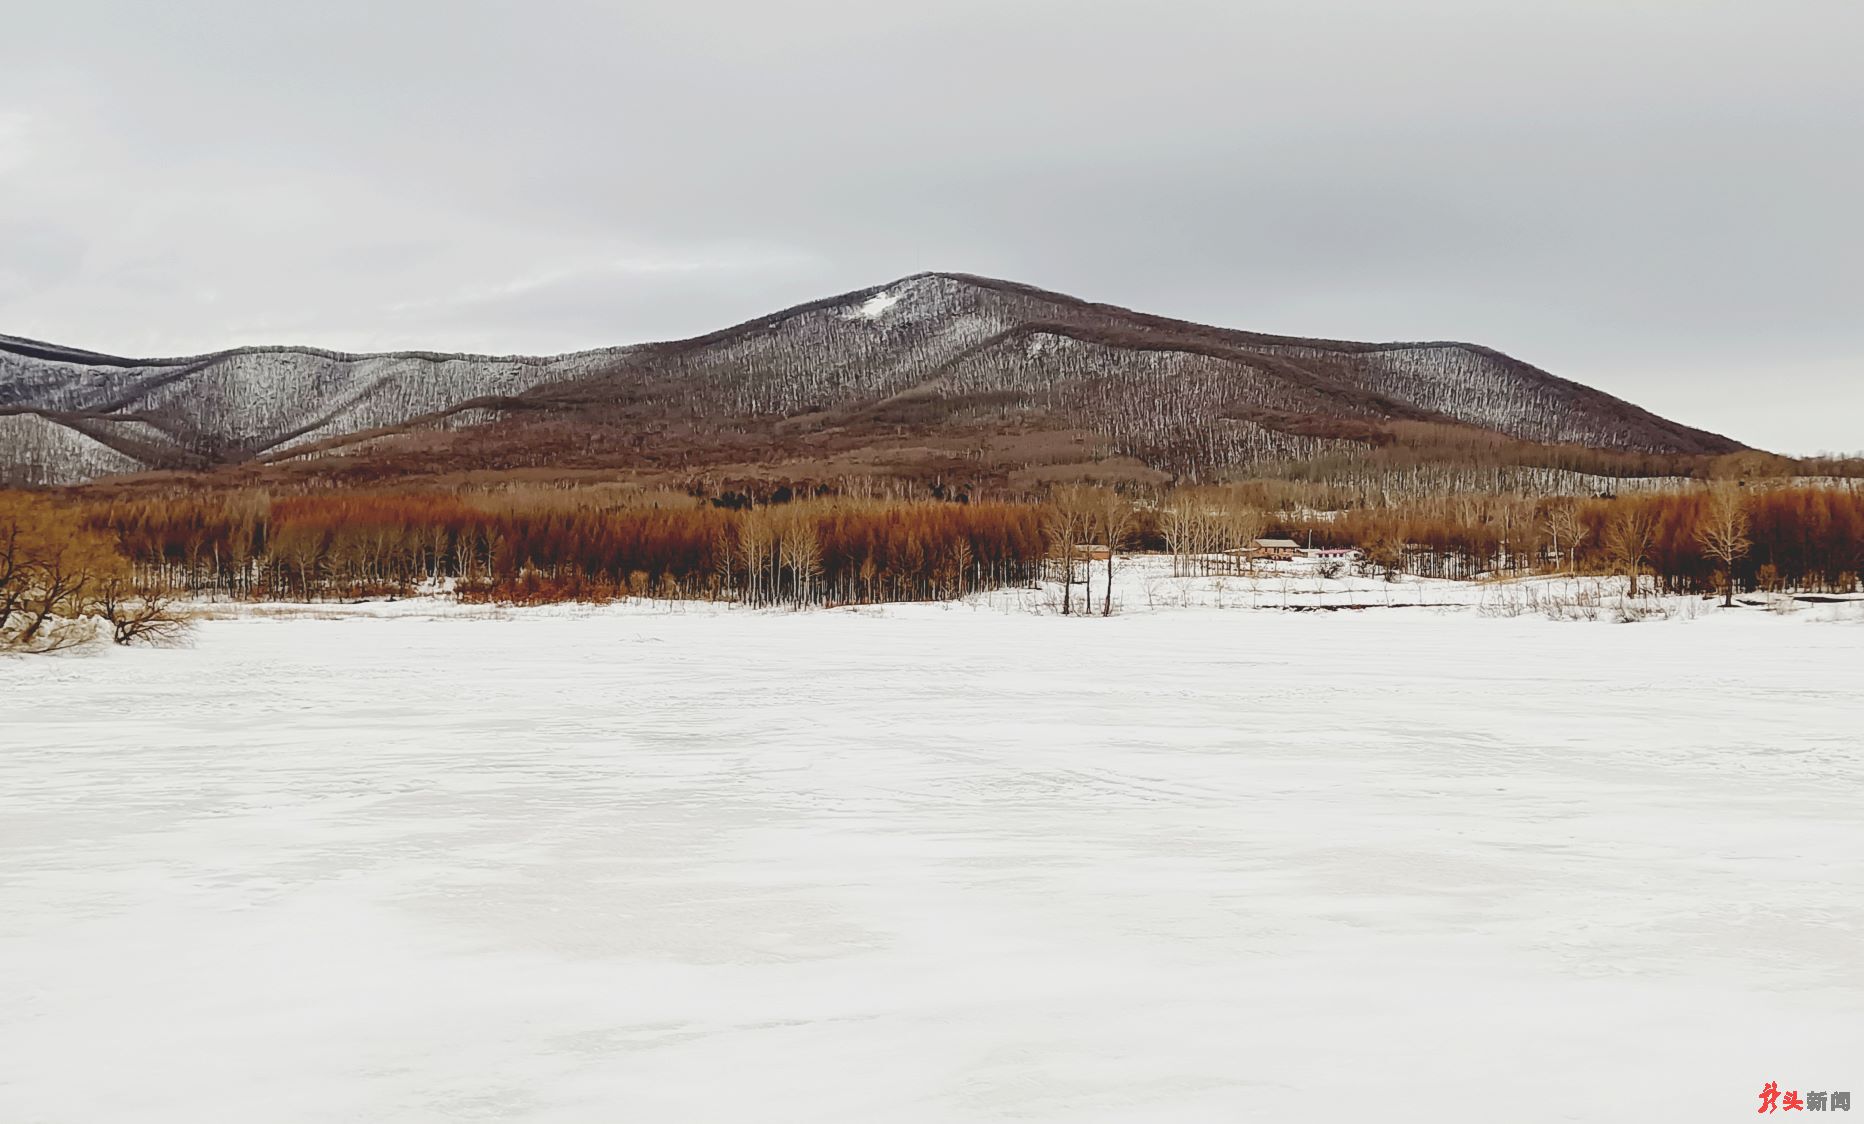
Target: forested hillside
x: 964, y: 361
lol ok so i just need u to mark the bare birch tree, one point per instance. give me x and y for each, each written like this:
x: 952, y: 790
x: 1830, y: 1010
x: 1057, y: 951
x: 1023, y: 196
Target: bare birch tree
x: 1627, y: 543
x: 1067, y: 521
x: 1115, y: 514
x: 754, y: 547
x: 1723, y: 534
x: 1237, y: 526
x: 802, y: 557
x: 1565, y: 527
x: 1178, y: 524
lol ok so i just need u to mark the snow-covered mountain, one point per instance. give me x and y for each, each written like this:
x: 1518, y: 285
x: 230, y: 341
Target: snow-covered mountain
x: 70, y: 415
x: 935, y: 351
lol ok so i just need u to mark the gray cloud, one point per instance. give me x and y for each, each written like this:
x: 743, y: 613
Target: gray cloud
x: 1658, y: 198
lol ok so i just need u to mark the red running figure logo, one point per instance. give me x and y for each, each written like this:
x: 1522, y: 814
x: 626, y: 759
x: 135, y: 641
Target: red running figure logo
x: 1773, y: 1099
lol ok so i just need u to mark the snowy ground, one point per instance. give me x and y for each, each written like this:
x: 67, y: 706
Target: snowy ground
x: 404, y: 863
x: 1147, y: 584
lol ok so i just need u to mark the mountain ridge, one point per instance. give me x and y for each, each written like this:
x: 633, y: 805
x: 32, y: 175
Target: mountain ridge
x: 1176, y: 395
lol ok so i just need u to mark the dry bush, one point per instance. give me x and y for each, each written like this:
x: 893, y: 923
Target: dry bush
x: 52, y: 572
x: 138, y: 613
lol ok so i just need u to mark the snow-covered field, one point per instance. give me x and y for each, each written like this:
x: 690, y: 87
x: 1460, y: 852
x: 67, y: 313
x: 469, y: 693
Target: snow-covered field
x: 1147, y: 584
x: 406, y: 863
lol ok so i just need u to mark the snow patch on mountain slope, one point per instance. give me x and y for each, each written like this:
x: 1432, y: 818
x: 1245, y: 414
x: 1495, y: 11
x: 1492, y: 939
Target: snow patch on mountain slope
x: 877, y: 305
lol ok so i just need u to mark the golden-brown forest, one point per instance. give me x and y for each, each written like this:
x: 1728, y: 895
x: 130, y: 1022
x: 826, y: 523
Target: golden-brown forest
x: 125, y: 559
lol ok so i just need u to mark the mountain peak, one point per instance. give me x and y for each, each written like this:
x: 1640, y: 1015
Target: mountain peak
x: 947, y: 355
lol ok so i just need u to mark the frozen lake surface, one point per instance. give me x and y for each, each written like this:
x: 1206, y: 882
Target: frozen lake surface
x: 933, y: 864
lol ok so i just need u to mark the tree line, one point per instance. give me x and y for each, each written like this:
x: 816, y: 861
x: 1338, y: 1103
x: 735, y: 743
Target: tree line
x: 77, y: 565
x: 1724, y: 537
x: 557, y: 545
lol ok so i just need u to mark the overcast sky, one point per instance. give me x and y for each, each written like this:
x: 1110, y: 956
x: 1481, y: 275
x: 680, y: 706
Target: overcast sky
x: 1660, y: 198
